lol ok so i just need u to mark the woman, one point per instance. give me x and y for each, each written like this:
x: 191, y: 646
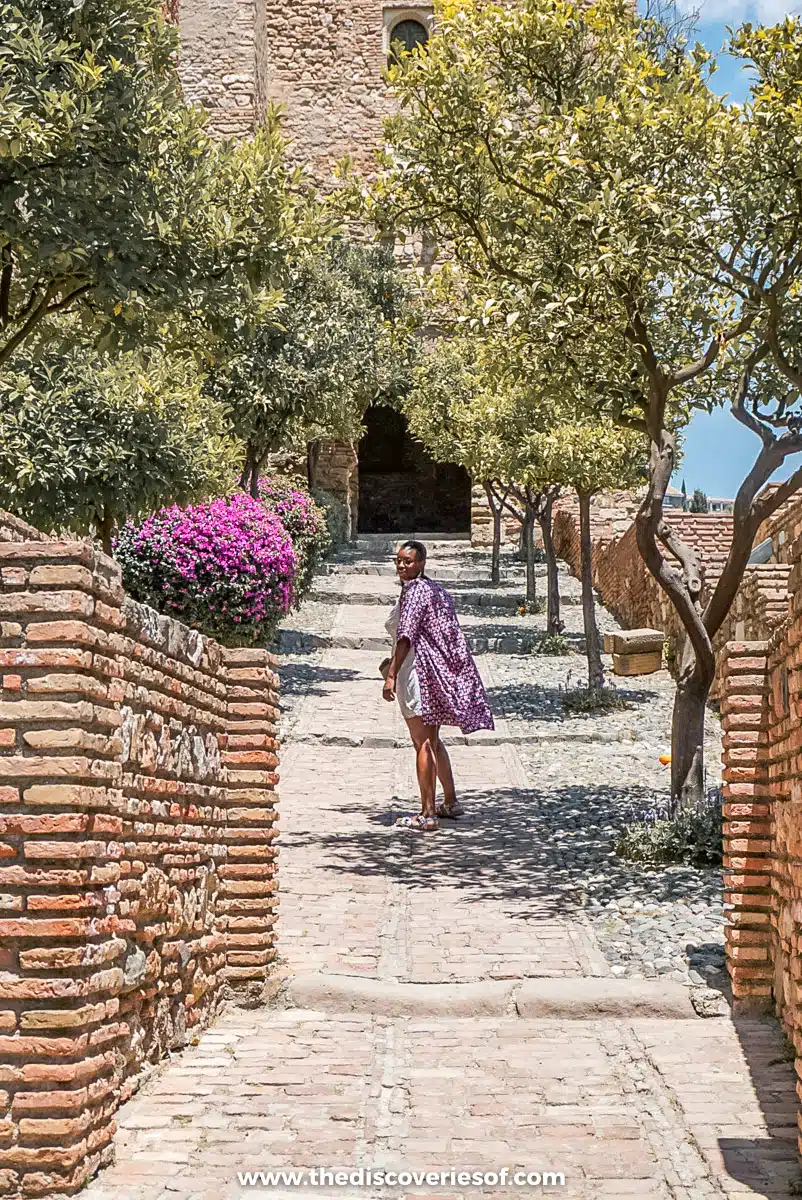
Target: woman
x: 434, y: 678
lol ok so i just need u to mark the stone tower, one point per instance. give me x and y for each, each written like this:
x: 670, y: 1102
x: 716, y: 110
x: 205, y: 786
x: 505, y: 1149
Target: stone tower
x: 321, y: 59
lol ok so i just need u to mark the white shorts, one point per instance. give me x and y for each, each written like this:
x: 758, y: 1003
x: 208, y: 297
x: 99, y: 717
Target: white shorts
x: 407, y: 688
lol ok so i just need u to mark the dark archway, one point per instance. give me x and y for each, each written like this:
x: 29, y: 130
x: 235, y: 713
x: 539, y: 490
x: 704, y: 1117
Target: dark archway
x: 401, y: 489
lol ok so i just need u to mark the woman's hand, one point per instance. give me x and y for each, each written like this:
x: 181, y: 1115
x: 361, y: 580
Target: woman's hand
x: 388, y: 690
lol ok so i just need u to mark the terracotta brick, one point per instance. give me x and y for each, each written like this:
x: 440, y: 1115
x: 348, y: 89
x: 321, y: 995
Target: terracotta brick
x: 100, y: 848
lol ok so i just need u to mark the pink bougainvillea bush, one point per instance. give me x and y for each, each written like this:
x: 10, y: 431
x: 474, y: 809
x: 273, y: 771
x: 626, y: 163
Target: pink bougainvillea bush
x: 226, y: 567
x: 304, y: 521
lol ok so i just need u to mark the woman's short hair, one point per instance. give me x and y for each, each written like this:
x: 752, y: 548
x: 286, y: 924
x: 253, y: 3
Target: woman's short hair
x: 418, y: 547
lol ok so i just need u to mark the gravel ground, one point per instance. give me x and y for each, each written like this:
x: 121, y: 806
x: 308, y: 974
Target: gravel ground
x: 649, y: 921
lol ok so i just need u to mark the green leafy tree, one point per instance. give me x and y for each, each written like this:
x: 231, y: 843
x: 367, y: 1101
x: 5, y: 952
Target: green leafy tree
x: 84, y: 445
x: 117, y: 204
x: 516, y: 426
x: 641, y: 228
x: 339, y: 341
x: 698, y: 503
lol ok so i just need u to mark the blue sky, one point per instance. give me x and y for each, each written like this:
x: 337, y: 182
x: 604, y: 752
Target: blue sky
x: 718, y: 450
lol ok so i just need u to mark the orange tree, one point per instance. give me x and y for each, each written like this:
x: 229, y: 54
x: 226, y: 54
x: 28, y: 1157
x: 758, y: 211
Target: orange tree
x: 645, y: 232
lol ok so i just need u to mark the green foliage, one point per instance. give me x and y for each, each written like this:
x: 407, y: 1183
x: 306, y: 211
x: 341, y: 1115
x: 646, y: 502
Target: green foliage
x: 336, y: 515
x: 117, y: 203
x: 553, y: 644
x: 338, y: 342
x: 638, y: 235
x: 583, y: 700
x: 477, y: 399
x: 692, y: 835
x: 86, y: 443
x: 698, y: 503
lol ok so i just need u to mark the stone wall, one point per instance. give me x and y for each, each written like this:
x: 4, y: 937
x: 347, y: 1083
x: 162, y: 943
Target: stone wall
x: 217, y: 60
x: 137, y: 855
x: 322, y: 61
x: 338, y: 472
x: 482, y: 522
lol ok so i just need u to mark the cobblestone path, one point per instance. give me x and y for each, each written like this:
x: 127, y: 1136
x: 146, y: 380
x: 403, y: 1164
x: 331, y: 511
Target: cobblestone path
x: 504, y: 994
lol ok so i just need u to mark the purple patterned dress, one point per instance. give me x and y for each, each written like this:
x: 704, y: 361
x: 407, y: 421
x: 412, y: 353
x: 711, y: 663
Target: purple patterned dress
x: 451, y: 691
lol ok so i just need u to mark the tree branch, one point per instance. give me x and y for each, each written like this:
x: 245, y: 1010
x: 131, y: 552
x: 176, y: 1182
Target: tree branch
x: 34, y: 317
x: 5, y: 286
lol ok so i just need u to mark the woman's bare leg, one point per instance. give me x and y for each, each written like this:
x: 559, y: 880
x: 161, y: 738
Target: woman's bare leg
x: 445, y: 774
x: 432, y: 763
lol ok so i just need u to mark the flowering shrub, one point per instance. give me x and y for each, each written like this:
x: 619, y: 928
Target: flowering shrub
x: 304, y: 521
x: 690, y: 835
x: 226, y: 567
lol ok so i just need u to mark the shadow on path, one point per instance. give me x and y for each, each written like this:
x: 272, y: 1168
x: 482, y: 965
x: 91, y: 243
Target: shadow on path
x: 756, y: 1162
x: 546, y: 850
x: 541, y: 702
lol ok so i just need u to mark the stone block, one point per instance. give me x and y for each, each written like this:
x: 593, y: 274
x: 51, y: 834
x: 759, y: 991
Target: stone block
x: 634, y: 641
x: 638, y: 664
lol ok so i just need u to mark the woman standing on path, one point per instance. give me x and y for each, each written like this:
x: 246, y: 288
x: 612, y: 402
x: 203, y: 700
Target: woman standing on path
x: 434, y: 678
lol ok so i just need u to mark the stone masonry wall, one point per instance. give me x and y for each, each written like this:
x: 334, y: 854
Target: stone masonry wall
x: 137, y: 854
x: 217, y: 60
x: 321, y: 60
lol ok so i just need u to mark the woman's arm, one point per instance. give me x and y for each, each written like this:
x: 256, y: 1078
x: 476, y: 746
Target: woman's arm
x: 402, y: 649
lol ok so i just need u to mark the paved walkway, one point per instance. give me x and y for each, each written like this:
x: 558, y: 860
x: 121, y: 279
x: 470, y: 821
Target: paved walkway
x: 487, y: 997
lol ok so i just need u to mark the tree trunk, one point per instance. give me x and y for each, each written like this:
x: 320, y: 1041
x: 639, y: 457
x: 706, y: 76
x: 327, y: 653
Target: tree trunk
x: 312, y: 460
x: 592, y: 643
x: 105, y: 528
x: 688, y: 733
x: 528, y: 546
x: 553, y: 622
x: 245, y: 477
x: 497, y: 512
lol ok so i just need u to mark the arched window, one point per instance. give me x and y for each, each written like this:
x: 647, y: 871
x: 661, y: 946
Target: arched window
x: 405, y: 36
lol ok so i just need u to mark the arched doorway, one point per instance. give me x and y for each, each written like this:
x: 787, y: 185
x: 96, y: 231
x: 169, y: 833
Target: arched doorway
x: 401, y: 489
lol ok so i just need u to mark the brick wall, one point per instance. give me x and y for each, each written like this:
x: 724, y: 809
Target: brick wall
x: 631, y: 593
x: 748, y: 824
x: 761, y: 704
x: 137, y: 858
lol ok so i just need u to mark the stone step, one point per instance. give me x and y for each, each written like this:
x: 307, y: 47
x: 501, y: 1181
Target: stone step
x: 572, y: 999
x: 443, y: 575
x: 384, y: 741
x: 293, y: 641
x: 509, y: 601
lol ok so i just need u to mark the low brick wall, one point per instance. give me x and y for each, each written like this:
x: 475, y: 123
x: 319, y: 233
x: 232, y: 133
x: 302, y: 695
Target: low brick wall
x: 137, y: 856
x: 748, y: 819
x: 631, y: 593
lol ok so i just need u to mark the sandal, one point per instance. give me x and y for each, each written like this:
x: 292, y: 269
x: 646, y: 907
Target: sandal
x: 419, y: 823
x: 450, y: 811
